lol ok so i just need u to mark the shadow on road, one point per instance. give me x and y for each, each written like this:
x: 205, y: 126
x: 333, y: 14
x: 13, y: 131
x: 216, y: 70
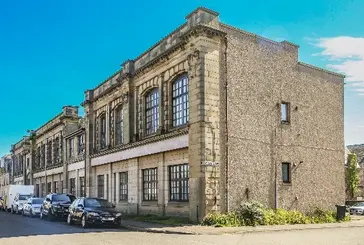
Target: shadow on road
x: 12, y: 225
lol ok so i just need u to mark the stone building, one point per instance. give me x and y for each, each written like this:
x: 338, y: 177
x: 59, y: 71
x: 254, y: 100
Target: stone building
x: 207, y: 118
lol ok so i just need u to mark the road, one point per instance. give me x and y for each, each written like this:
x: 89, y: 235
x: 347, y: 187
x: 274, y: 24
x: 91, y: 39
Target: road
x: 15, y: 229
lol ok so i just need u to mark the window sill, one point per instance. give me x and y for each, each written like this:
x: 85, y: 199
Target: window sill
x: 149, y: 203
x: 178, y: 204
x: 287, y: 184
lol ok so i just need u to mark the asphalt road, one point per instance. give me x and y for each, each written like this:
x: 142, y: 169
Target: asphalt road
x: 15, y: 229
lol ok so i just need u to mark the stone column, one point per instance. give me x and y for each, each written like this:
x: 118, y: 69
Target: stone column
x: 77, y: 183
x: 134, y: 192
x: 162, y: 185
x: 117, y: 184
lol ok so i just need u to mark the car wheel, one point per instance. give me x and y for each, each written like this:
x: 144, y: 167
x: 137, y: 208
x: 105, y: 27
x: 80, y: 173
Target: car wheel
x: 84, y: 222
x: 69, y: 219
x: 31, y: 213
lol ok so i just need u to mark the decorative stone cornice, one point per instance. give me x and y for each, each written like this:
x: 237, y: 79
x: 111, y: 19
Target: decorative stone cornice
x: 150, y: 140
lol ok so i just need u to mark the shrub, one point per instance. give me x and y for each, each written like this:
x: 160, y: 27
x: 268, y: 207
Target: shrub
x: 230, y: 219
x: 254, y: 213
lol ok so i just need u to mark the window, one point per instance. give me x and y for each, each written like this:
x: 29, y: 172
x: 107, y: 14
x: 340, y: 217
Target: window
x: 152, y: 112
x: 43, y: 190
x: 103, y: 132
x: 37, y: 190
x: 100, y: 186
x: 178, y: 182
x: 180, y: 109
x: 81, y: 144
x: 286, y: 172
x: 73, y: 186
x: 284, y: 112
x: 49, y: 187
x: 61, y: 187
x: 124, y: 186
x: 43, y: 156
x: 28, y: 162
x: 55, y: 187
x: 150, y: 180
x: 49, y: 152
x: 119, y: 125
x: 82, y: 187
x: 56, y: 150
x: 71, y: 147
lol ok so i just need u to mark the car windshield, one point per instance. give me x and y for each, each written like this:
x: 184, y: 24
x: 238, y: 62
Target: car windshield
x: 97, y: 203
x: 63, y: 198
x: 360, y: 204
x: 37, y: 201
x: 23, y: 197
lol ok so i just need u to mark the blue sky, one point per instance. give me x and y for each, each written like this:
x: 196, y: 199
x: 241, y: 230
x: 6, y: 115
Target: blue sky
x: 52, y: 51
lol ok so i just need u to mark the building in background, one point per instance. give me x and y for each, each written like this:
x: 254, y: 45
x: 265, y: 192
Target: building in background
x: 207, y: 118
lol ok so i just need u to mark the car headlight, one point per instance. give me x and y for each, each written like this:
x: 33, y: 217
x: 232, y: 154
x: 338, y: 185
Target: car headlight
x: 118, y: 215
x: 93, y: 214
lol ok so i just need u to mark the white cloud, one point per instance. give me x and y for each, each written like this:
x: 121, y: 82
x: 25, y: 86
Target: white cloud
x: 345, y: 55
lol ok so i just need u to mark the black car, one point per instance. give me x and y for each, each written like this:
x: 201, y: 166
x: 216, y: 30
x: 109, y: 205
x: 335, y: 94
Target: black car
x: 93, y: 211
x: 56, y: 206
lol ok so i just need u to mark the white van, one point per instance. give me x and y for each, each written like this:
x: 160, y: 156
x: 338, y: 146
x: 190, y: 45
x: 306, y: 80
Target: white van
x: 18, y: 192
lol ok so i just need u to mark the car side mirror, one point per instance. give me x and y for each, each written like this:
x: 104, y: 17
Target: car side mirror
x: 48, y: 200
x: 80, y: 206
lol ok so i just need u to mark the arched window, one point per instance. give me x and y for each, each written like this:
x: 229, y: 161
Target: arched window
x: 103, y: 131
x: 152, y: 111
x: 119, y: 125
x: 180, y: 111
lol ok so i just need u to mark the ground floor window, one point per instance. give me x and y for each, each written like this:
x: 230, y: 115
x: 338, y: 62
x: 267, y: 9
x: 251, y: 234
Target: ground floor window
x: 124, y: 186
x: 178, y: 182
x: 55, y: 186
x: 150, y: 184
x: 73, y: 186
x: 286, y: 172
x: 43, y: 189
x: 37, y: 190
x: 82, y: 187
x: 49, y: 187
x: 100, y: 186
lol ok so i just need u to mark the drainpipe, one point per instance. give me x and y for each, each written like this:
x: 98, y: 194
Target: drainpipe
x: 226, y: 130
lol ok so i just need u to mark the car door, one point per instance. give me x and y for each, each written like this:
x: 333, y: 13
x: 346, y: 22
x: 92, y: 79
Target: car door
x: 47, y: 204
x: 27, y: 205
x: 72, y: 209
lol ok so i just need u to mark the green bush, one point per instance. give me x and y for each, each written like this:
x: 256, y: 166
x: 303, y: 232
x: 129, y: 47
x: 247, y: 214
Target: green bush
x: 254, y: 213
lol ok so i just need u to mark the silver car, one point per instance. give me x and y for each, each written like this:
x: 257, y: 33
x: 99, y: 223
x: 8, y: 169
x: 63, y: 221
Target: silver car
x: 32, y: 207
x: 357, y: 208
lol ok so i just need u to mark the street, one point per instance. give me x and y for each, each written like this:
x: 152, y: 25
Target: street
x: 15, y: 229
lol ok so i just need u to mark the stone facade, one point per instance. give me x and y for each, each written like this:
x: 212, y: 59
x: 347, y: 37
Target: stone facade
x: 194, y: 125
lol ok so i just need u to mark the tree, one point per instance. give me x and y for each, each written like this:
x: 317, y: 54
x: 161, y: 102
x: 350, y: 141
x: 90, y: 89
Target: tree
x: 352, y: 175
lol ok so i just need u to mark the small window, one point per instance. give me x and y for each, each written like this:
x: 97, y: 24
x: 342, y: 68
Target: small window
x: 284, y: 112
x: 49, y: 187
x: 82, y: 187
x: 73, y: 186
x: 124, y: 186
x: 100, y: 186
x: 72, y: 147
x: 150, y: 184
x: 286, y: 172
x: 103, y: 132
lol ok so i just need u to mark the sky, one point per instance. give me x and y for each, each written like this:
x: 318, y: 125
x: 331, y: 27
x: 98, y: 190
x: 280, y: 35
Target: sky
x: 52, y: 51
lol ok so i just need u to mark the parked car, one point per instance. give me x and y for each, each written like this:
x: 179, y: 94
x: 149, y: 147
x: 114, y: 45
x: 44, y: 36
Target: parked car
x: 357, y: 208
x: 55, y: 206
x: 93, y: 211
x: 18, y: 203
x: 32, y: 207
x: 2, y: 203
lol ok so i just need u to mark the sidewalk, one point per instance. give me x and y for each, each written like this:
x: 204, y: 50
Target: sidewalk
x: 208, y: 230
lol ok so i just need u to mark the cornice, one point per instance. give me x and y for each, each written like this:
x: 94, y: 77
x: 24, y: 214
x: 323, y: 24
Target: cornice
x: 150, y: 140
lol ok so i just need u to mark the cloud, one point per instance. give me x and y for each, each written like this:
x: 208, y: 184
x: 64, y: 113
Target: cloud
x: 346, y: 55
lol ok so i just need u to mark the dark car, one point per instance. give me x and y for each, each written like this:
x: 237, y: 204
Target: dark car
x: 93, y: 211
x: 55, y: 206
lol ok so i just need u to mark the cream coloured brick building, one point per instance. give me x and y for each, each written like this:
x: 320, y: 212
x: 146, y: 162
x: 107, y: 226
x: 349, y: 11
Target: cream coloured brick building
x: 207, y: 118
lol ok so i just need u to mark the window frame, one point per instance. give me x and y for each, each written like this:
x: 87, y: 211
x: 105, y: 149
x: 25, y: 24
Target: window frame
x: 82, y: 186
x: 150, y: 184
x: 73, y: 186
x: 287, y: 180
x: 287, y: 112
x: 99, y: 185
x: 151, y: 111
x: 179, y: 181
x: 119, y: 125
x: 123, y: 186
x: 103, y: 129
x: 81, y: 144
x: 71, y: 147
x: 180, y: 91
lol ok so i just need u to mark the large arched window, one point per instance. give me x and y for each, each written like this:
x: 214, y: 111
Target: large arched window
x: 119, y: 130
x: 152, y: 111
x: 180, y: 109
x: 103, y: 131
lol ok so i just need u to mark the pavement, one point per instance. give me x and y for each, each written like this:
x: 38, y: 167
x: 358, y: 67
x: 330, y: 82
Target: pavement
x: 15, y: 229
x: 357, y: 221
